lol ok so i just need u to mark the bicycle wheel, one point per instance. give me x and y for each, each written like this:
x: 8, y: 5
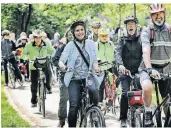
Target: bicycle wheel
x: 39, y: 98
x: 93, y: 118
x: 43, y: 95
x: 12, y: 77
x: 138, y: 120
x: 130, y: 118
x: 158, y: 118
x: 116, y: 105
x: 167, y: 122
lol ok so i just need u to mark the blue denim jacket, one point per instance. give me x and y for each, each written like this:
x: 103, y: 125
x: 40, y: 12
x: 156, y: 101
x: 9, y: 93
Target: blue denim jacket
x: 70, y: 55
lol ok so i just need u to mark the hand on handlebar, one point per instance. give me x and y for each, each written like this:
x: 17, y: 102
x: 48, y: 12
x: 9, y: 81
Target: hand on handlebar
x: 155, y: 74
x: 63, y: 68
x: 122, y: 69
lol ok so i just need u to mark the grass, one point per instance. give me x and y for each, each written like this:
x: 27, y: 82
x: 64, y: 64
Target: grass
x: 9, y: 117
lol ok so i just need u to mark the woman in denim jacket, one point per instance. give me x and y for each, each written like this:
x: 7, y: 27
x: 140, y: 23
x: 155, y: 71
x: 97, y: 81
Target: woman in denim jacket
x: 74, y: 60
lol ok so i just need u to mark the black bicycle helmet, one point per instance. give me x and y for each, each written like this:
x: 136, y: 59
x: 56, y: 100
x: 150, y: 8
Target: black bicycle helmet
x: 130, y: 18
x: 76, y: 23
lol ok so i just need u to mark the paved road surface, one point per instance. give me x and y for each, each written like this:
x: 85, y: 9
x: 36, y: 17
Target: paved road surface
x: 20, y: 99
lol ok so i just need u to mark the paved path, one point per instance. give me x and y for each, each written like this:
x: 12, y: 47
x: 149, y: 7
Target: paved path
x: 20, y: 100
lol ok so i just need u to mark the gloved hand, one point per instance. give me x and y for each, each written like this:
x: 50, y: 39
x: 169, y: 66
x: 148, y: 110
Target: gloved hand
x: 122, y: 69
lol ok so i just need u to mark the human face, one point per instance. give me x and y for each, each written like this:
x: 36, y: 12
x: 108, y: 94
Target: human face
x: 12, y: 36
x: 38, y: 40
x: 7, y: 36
x: 158, y: 18
x: 79, y: 32
x: 103, y: 38
x: 131, y: 27
x: 95, y: 30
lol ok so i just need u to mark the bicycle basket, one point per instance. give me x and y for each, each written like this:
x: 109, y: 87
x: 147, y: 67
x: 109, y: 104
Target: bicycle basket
x: 41, y: 62
x: 135, y: 97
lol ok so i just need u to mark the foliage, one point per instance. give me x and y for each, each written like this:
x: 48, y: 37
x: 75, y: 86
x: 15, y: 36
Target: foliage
x: 57, y: 17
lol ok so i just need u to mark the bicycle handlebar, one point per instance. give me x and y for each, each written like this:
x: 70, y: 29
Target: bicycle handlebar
x: 162, y: 75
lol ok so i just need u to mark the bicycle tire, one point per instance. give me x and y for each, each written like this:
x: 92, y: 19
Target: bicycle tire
x: 158, y: 119
x: 138, y: 120
x: 39, y: 99
x: 98, y: 121
x: 43, y: 98
x: 116, y: 106
x: 168, y: 117
x: 12, y: 78
x: 131, y: 119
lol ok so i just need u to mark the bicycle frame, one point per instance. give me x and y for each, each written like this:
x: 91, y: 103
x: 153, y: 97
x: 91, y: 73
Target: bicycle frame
x: 159, y: 107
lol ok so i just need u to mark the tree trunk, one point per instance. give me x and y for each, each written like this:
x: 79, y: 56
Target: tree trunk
x: 28, y: 17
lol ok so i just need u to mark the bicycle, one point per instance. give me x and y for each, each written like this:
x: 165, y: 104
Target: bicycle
x: 10, y: 69
x: 40, y: 64
x: 112, y: 95
x: 89, y: 115
x: 54, y: 74
x: 135, y: 102
x: 158, y: 110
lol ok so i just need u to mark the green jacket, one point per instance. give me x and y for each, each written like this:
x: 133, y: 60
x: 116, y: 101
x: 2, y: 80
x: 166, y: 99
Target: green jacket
x: 105, y: 53
x: 31, y: 51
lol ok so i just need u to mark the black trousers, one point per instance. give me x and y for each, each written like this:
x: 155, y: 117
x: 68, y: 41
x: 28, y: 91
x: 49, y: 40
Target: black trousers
x: 16, y: 71
x: 34, y: 84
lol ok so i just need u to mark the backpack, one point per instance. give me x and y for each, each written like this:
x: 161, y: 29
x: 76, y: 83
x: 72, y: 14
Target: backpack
x: 152, y: 33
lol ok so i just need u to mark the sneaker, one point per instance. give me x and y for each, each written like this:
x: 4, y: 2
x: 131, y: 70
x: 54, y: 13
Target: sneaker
x: 123, y: 123
x: 61, y: 124
x: 148, y: 121
x: 33, y: 105
x: 49, y: 91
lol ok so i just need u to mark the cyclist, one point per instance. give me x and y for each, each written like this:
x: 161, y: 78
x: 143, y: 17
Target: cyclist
x: 22, y: 34
x: 95, y: 27
x: 128, y: 55
x: 74, y: 60
x: 31, y: 37
x: 21, y: 44
x: 156, y: 56
x: 105, y: 53
x: 62, y: 111
x: 56, y: 39
x: 37, y: 48
x: 44, y: 37
x: 8, y: 48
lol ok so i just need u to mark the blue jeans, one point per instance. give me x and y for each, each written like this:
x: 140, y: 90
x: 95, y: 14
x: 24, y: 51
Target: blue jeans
x: 74, y: 91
